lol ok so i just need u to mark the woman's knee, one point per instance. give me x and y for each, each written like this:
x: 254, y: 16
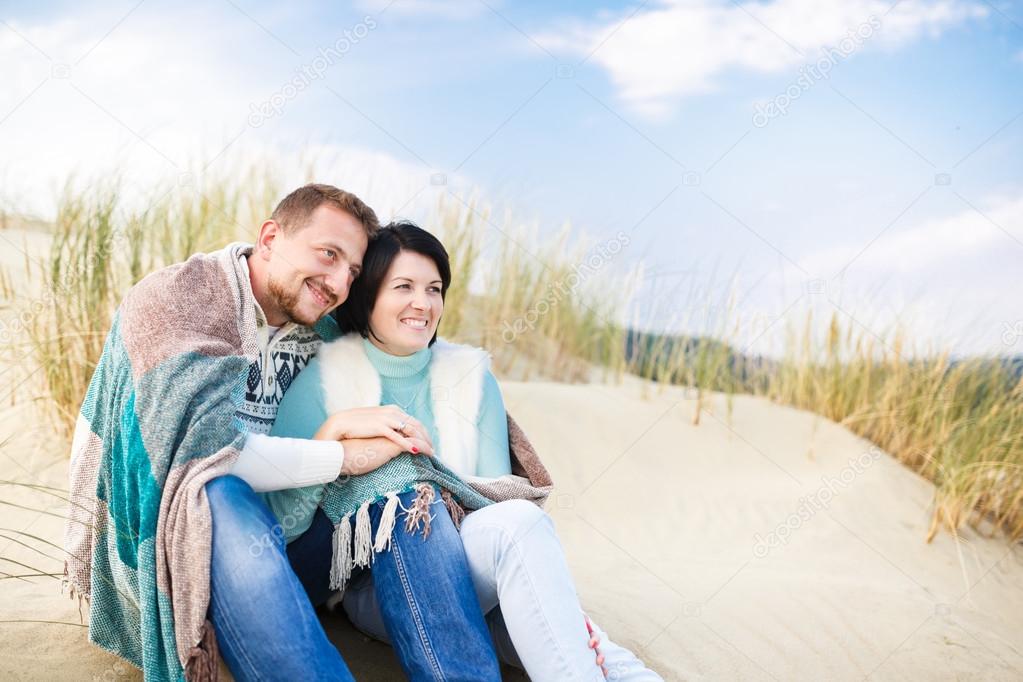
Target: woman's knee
x: 516, y: 518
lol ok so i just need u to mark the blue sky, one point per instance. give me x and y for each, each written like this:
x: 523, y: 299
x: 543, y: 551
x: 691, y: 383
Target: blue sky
x: 889, y: 190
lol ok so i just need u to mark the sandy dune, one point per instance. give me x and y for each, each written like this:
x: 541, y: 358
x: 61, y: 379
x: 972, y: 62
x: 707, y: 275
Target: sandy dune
x: 771, y: 544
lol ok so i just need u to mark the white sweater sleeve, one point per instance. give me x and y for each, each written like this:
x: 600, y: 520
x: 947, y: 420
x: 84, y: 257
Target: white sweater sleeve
x: 274, y: 463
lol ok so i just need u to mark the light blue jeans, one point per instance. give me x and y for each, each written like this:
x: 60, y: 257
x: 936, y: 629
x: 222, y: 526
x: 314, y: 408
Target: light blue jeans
x: 267, y: 627
x: 524, y: 586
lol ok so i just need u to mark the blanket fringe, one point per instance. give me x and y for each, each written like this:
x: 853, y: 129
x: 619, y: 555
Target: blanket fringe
x: 363, y: 533
x: 357, y: 548
x: 383, y: 539
x: 341, y: 565
x: 455, y: 510
x: 203, y: 664
x: 68, y: 586
x: 420, y: 511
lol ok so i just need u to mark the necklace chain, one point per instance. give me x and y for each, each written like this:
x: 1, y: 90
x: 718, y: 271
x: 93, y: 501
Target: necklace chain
x: 404, y: 408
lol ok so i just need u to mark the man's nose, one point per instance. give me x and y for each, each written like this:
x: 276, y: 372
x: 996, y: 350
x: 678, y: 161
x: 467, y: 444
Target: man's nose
x: 337, y: 287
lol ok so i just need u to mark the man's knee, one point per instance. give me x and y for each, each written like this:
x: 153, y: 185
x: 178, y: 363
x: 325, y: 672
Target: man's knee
x: 240, y: 519
x: 224, y: 488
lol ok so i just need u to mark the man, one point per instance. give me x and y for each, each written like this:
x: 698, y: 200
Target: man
x: 161, y: 535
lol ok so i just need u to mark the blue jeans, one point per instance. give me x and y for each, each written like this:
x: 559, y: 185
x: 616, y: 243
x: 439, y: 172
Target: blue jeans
x: 261, y: 590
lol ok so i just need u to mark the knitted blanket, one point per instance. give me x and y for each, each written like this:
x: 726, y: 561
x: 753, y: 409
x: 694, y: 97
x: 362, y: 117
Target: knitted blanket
x: 352, y: 495
x: 158, y: 422
x: 456, y: 376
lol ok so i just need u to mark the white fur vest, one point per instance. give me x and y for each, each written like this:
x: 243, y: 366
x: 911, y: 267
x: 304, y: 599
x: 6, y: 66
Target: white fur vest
x: 456, y: 374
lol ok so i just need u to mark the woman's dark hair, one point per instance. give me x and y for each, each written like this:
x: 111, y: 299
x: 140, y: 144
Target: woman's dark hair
x: 384, y: 247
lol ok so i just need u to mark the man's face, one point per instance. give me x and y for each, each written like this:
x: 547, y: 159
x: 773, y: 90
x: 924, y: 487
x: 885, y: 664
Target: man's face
x: 311, y: 268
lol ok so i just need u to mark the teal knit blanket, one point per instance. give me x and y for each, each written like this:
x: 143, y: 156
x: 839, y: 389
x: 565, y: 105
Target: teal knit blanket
x: 157, y: 423
x: 346, y: 500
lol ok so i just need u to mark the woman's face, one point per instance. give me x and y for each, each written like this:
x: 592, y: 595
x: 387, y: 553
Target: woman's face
x: 408, y: 305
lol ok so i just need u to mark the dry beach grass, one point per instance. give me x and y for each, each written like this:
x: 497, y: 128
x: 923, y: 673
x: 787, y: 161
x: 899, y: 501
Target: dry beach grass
x: 706, y: 575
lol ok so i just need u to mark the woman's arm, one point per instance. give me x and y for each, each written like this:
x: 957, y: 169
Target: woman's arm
x: 492, y: 427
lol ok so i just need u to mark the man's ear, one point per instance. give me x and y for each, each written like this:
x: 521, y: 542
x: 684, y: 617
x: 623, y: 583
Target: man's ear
x: 268, y: 231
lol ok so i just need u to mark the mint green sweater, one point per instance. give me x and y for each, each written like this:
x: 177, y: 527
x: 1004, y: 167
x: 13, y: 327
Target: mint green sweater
x: 402, y: 379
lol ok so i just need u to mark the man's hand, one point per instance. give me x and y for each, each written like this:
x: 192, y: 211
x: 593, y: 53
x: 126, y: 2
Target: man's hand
x: 363, y: 455
x: 386, y: 421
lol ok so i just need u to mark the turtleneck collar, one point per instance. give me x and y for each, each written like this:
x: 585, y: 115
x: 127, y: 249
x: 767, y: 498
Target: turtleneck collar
x: 397, y: 366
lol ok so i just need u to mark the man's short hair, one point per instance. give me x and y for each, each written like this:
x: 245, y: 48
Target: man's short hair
x: 295, y: 210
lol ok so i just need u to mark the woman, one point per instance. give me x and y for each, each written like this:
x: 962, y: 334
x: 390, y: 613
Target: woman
x: 449, y: 405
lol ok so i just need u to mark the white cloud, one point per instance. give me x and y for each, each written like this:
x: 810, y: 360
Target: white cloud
x: 159, y: 97
x: 965, y: 235
x: 683, y: 47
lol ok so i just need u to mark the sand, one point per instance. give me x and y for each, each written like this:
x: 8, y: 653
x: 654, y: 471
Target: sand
x: 765, y: 543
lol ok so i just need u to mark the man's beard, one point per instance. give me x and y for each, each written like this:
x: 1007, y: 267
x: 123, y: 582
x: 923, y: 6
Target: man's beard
x: 288, y: 302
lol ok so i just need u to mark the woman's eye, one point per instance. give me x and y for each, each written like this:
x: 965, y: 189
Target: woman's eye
x: 434, y: 290
x: 329, y: 253
x: 354, y: 272
x: 404, y: 286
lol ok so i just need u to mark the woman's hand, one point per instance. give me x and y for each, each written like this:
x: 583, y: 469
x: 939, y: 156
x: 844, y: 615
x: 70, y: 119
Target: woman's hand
x: 363, y: 455
x: 595, y: 644
x: 386, y: 421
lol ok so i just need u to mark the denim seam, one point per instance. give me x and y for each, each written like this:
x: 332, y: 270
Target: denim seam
x: 416, y: 615
x: 230, y: 631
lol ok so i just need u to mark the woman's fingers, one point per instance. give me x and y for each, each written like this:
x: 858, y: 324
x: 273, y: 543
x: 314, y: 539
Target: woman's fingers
x: 408, y: 424
x: 420, y: 428
x: 424, y: 447
x: 401, y: 441
x: 413, y: 427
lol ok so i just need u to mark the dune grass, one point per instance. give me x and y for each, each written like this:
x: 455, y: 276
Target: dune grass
x: 956, y: 422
